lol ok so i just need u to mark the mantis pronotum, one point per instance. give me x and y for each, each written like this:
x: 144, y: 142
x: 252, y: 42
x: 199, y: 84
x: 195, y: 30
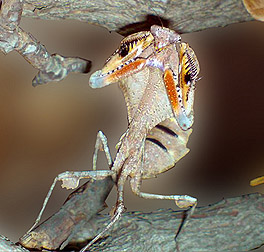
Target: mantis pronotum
x: 157, y: 75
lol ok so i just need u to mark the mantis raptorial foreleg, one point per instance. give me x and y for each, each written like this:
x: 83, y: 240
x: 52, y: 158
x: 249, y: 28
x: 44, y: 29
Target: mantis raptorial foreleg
x: 70, y: 179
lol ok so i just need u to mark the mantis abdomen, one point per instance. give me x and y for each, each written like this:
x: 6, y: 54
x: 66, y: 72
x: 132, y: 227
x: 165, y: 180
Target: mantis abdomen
x: 165, y: 145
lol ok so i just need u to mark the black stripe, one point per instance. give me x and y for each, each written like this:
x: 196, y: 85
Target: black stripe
x: 167, y: 130
x: 193, y: 66
x: 157, y: 142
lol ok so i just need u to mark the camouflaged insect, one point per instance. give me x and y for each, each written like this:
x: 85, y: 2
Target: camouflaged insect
x: 157, y: 74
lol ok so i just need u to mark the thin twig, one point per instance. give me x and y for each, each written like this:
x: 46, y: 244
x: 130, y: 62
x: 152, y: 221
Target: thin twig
x: 51, y: 67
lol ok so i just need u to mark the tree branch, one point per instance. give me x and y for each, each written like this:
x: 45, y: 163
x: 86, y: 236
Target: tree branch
x: 12, y: 37
x: 232, y: 224
x: 183, y: 16
x: 7, y: 245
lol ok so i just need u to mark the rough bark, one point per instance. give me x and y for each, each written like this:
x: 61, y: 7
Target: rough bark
x: 128, y: 16
x: 7, y: 245
x: 234, y: 224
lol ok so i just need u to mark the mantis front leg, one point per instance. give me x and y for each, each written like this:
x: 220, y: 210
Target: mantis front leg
x: 70, y: 179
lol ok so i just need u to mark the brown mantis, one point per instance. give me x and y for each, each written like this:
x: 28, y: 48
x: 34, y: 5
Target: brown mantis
x: 157, y: 75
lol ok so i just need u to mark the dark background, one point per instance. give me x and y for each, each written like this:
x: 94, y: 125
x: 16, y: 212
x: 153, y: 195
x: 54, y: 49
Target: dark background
x: 52, y: 128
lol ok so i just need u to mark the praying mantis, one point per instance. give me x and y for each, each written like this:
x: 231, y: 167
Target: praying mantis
x: 157, y: 74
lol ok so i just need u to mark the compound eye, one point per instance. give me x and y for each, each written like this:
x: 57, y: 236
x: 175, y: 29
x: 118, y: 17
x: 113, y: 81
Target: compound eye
x: 123, y: 51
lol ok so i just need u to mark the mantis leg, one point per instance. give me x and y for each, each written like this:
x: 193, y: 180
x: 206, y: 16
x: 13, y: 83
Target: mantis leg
x: 70, y: 179
x: 118, y: 210
x: 181, y: 201
x: 101, y: 142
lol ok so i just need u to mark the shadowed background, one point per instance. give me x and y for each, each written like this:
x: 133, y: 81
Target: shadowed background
x: 52, y: 128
